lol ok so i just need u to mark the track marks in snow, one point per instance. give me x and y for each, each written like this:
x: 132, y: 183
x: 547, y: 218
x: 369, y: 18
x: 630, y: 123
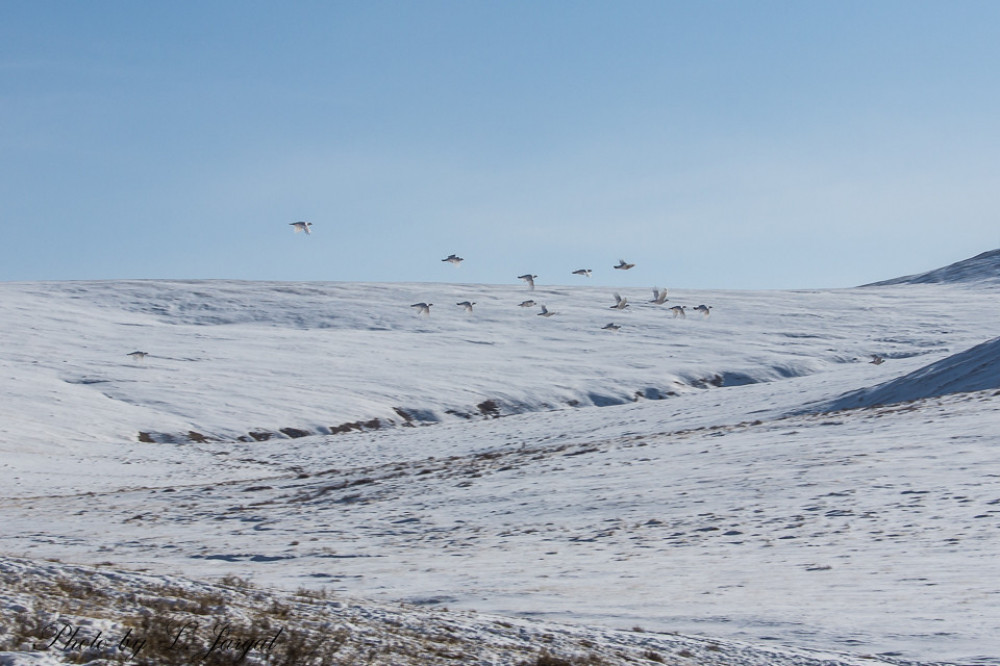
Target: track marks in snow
x: 782, y: 520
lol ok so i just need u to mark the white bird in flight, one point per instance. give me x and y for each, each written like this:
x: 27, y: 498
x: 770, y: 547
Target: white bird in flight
x: 678, y: 311
x: 423, y: 308
x: 582, y: 271
x: 620, y: 303
x: 527, y: 304
x: 453, y: 259
x: 704, y: 309
x: 138, y: 355
x: 302, y: 226
x: 610, y: 327
x: 623, y: 265
x: 467, y: 305
x: 545, y: 312
x: 529, y: 278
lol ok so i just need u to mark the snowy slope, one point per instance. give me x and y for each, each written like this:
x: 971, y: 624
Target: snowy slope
x: 871, y: 532
x: 247, y: 360
x: 663, y: 476
x: 975, y: 369
x: 102, y: 616
x: 982, y: 267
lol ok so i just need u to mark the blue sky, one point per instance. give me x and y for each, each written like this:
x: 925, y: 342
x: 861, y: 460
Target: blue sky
x: 714, y: 144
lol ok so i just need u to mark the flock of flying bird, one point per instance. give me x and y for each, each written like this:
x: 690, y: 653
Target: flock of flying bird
x: 659, y: 295
x: 424, y: 309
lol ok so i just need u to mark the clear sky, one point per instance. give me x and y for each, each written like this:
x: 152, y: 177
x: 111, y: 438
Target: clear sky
x: 719, y: 144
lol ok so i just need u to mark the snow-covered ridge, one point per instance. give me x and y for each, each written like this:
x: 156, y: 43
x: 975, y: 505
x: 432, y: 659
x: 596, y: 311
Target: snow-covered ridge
x: 975, y: 369
x: 247, y: 361
x: 982, y: 267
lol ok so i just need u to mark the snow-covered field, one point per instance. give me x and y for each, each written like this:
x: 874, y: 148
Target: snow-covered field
x: 678, y: 475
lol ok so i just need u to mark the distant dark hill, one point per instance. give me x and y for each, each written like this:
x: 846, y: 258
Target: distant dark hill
x: 981, y: 268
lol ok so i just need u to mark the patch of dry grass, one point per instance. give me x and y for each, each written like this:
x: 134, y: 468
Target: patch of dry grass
x: 102, y: 617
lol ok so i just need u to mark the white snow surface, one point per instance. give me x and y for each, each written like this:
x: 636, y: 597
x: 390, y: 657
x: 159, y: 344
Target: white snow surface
x: 663, y: 475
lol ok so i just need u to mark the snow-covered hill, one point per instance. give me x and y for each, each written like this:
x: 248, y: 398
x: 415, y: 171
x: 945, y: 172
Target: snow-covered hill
x: 982, y: 267
x: 665, y: 475
x: 242, y: 361
x: 975, y: 369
